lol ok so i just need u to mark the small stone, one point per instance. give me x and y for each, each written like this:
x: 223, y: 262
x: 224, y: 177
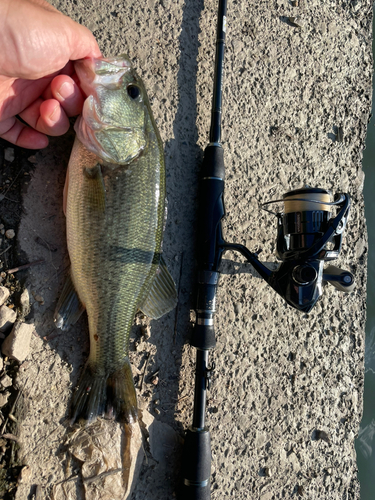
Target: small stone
x: 10, y: 234
x: 157, y: 411
x: 155, y: 380
x: 265, y: 472
x: 25, y: 475
x: 293, y: 460
x: 39, y: 299
x: 146, y: 331
x: 296, y: 22
x: 360, y: 248
x: 25, y: 303
x: 24, y: 366
x: 266, y: 496
x: 7, y: 318
x: 3, y: 398
x: 5, y: 381
x: 238, y: 308
x: 32, y: 159
x: 9, y: 154
x: 17, y: 344
x: 138, y: 346
x: 317, y: 434
x: 260, y: 439
x: 4, y: 294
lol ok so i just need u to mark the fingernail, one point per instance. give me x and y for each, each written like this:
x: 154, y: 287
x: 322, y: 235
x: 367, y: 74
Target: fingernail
x: 55, y: 115
x: 66, y: 90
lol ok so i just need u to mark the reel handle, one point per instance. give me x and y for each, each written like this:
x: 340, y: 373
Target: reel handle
x: 339, y: 278
x: 196, y: 465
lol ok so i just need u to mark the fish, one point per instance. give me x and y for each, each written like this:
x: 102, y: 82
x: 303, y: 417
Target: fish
x: 115, y: 204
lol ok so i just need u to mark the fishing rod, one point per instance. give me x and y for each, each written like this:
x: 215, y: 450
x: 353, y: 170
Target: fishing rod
x: 308, y: 235
x: 196, y: 462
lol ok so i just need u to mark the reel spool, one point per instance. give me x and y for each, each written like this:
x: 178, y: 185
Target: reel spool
x: 308, y: 235
x: 304, y: 219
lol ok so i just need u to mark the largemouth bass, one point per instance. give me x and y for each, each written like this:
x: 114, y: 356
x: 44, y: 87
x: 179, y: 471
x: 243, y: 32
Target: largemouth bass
x: 115, y: 215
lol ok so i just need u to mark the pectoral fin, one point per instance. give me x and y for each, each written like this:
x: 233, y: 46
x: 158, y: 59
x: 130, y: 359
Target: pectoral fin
x: 162, y: 297
x: 95, y: 194
x: 69, y: 308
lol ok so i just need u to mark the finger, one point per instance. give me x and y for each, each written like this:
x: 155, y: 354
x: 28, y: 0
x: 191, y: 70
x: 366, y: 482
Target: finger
x: 53, y: 119
x: 47, y: 117
x: 12, y: 130
x: 83, y: 43
x: 68, y: 94
x: 17, y: 95
x: 45, y: 5
x: 68, y: 69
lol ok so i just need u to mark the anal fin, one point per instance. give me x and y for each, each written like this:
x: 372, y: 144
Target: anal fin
x: 162, y: 296
x: 69, y: 308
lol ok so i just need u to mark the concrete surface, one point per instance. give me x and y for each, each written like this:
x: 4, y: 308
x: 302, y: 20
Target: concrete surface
x: 286, y: 400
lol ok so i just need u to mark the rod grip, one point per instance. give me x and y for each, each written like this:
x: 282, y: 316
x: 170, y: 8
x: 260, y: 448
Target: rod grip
x: 196, y: 466
x: 213, y: 162
x: 211, y: 208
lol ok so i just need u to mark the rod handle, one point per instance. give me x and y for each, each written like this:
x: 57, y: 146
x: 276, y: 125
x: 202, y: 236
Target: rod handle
x: 196, y: 466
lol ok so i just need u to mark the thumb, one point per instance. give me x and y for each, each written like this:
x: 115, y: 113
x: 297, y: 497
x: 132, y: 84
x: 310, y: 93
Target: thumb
x: 38, y: 40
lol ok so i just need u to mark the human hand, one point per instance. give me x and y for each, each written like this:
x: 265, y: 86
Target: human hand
x: 37, y: 79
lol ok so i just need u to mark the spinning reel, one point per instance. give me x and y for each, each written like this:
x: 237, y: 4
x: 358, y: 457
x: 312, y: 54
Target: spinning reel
x: 308, y: 235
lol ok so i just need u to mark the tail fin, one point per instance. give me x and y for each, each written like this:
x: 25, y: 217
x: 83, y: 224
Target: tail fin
x: 109, y: 394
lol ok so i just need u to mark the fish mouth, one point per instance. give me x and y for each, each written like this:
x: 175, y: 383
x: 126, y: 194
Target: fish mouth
x: 107, y: 72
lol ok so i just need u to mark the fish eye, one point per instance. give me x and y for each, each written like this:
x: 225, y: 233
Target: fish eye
x: 133, y: 91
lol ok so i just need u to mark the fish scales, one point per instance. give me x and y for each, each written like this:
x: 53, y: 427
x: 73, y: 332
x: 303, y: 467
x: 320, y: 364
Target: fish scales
x: 119, y: 244
x: 115, y: 211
